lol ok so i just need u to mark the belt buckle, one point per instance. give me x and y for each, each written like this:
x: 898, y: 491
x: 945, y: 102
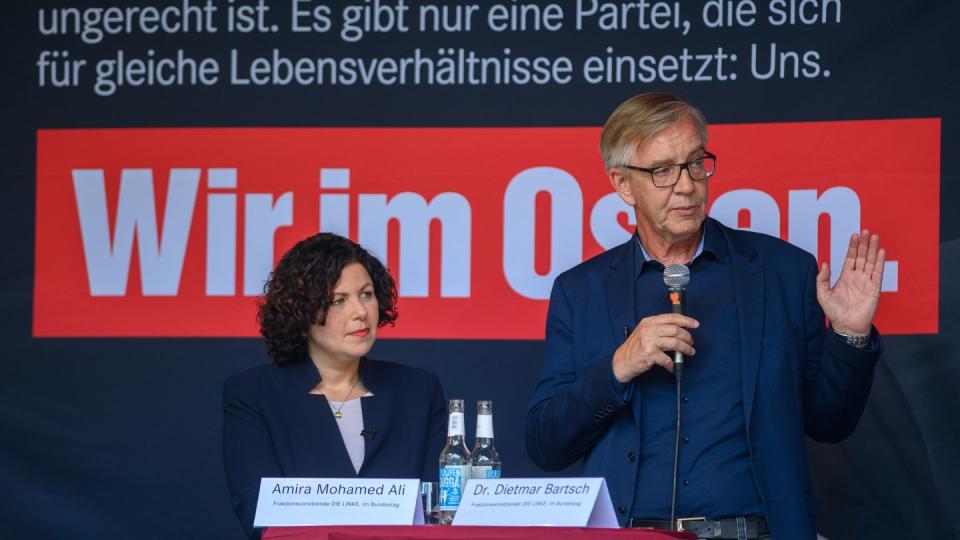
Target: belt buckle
x: 682, y: 521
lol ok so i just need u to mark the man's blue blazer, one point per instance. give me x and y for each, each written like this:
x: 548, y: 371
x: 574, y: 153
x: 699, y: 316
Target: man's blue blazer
x: 273, y: 427
x: 797, y: 377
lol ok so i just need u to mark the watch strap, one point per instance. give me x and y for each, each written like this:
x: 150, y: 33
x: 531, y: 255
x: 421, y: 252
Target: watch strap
x: 856, y: 341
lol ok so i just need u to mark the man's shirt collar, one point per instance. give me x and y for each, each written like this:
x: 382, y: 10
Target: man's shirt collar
x: 711, y: 241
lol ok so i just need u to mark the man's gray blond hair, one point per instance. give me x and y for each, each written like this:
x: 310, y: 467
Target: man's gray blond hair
x: 639, y: 118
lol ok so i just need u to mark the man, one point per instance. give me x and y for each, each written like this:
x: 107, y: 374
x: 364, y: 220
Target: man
x: 762, y: 367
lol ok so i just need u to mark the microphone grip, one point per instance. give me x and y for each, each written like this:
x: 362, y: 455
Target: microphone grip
x: 678, y: 300
x: 678, y: 304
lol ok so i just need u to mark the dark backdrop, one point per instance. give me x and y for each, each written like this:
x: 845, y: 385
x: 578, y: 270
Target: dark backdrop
x: 119, y: 438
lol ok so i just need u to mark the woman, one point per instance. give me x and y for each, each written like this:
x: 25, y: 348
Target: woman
x: 322, y: 408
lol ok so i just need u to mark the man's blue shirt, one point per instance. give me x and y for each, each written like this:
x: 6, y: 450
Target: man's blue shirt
x: 715, y: 479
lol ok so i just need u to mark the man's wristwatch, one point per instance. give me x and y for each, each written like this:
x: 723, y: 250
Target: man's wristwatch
x: 859, y: 342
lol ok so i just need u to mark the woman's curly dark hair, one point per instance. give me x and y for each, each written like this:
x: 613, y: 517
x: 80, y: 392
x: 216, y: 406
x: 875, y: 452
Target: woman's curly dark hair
x: 300, y: 290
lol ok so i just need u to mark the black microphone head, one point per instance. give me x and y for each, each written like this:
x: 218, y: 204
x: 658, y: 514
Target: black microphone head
x: 676, y: 276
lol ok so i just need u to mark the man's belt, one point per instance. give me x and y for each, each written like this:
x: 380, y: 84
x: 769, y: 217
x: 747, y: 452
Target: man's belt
x: 741, y: 527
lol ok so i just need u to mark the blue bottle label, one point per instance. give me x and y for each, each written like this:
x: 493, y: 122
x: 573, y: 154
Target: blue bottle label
x: 451, y: 487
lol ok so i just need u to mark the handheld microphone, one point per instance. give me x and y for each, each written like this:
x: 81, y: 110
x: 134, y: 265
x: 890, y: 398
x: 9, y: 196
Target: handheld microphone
x: 676, y: 277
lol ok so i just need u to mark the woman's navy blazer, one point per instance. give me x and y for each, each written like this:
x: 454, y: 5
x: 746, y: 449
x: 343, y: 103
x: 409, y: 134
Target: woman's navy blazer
x: 273, y: 427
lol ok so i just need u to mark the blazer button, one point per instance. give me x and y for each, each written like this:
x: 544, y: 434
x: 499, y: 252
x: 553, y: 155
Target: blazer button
x: 611, y: 408
x: 621, y: 510
x: 631, y: 457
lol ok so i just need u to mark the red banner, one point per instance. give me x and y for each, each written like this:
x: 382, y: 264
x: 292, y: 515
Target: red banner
x: 171, y: 232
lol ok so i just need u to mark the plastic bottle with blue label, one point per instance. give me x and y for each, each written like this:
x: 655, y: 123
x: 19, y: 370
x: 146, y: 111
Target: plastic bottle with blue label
x: 454, y: 464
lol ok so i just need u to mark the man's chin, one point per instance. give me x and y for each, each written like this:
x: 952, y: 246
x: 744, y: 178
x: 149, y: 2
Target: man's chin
x: 688, y: 224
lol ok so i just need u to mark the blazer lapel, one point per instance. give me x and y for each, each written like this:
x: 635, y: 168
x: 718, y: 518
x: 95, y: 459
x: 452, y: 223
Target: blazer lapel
x: 376, y: 412
x: 620, y: 292
x: 749, y: 290
x: 317, y: 443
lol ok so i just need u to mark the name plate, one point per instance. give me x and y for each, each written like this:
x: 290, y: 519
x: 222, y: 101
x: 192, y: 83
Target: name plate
x: 286, y: 502
x: 519, y: 502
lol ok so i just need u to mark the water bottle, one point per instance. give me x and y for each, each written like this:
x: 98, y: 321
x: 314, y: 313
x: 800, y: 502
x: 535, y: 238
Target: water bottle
x: 484, y: 458
x: 454, y: 464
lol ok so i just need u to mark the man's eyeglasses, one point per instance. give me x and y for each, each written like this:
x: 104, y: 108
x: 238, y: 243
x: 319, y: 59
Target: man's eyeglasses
x: 700, y: 168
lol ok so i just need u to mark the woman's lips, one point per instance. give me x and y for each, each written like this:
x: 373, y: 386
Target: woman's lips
x: 363, y: 332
